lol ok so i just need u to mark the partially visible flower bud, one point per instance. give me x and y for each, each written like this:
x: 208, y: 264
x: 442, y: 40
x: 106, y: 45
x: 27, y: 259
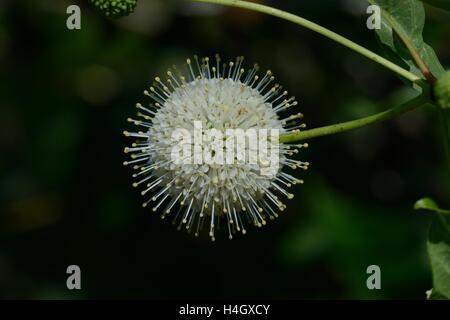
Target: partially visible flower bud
x: 442, y: 91
x: 114, y: 8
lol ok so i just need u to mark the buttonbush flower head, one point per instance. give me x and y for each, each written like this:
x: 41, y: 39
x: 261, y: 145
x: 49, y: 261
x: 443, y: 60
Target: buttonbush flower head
x: 114, y: 8
x: 220, y: 96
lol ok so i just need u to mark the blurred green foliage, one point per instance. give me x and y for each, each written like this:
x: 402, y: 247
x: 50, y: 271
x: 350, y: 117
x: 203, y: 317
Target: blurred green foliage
x: 66, y: 199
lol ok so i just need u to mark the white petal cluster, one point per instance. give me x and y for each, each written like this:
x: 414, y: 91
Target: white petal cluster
x: 221, y: 97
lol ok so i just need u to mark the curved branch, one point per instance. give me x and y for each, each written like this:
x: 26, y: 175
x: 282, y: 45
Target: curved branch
x: 321, y: 30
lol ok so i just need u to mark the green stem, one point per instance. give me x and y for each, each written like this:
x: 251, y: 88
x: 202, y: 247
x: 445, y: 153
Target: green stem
x: 355, y: 124
x: 319, y: 29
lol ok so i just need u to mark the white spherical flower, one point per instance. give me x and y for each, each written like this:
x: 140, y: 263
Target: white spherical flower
x: 229, y: 163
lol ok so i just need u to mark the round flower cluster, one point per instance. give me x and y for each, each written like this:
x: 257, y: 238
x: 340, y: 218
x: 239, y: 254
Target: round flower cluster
x: 220, y: 96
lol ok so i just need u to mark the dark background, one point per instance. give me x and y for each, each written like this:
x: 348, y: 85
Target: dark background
x: 65, y: 197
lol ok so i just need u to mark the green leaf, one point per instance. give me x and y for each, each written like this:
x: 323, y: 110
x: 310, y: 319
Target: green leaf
x: 426, y: 204
x: 430, y: 205
x: 438, y: 246
x: 443, y: 4
x: 402, y: 24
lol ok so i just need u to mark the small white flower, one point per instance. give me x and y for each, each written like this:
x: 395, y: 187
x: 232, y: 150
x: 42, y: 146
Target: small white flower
x: 220, y: 96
